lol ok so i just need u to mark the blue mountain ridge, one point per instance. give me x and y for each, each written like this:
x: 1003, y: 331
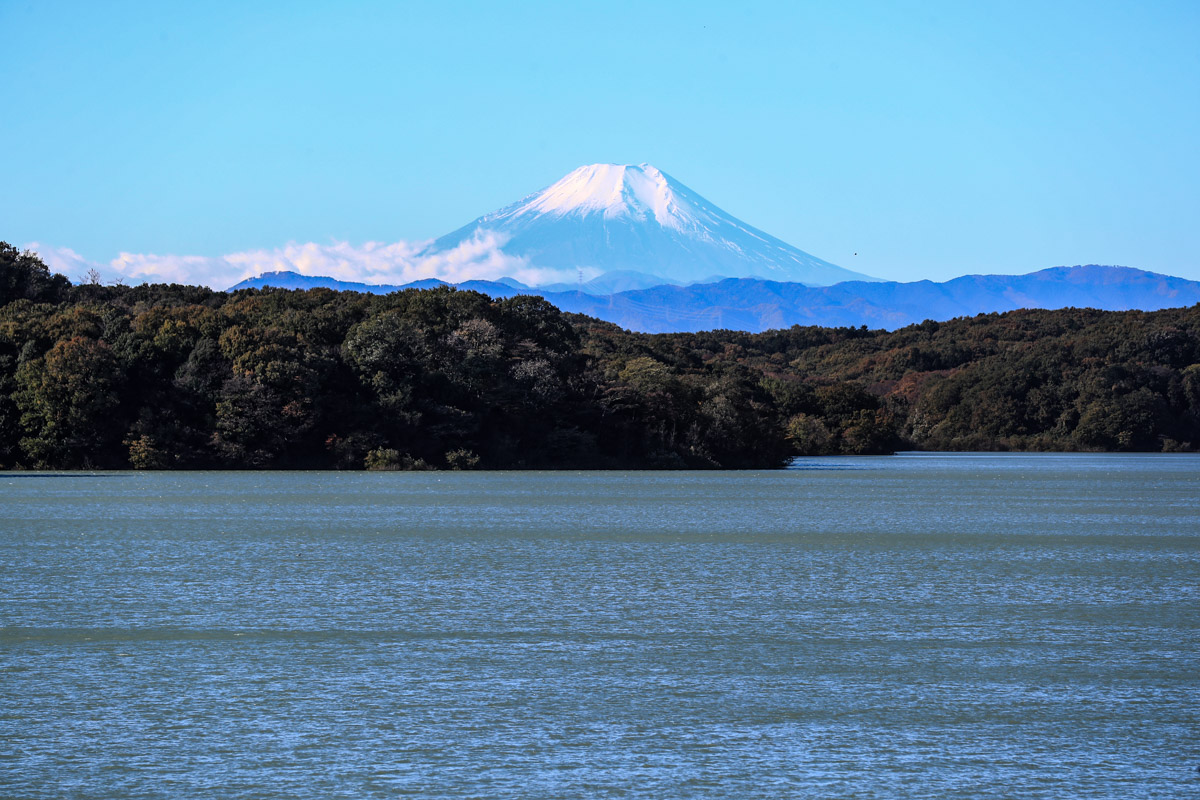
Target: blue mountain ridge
x: 754, y: 304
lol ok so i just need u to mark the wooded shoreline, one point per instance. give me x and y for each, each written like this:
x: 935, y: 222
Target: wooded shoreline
x: 184, y: 377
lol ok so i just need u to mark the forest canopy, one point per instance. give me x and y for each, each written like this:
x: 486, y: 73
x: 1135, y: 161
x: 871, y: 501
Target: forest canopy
x: 184, y: 377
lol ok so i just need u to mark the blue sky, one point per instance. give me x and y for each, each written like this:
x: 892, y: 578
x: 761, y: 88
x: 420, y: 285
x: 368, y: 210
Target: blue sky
x: 932, y: 139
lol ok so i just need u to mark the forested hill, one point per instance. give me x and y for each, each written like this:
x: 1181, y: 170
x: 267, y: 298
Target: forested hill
x: 184, y: 377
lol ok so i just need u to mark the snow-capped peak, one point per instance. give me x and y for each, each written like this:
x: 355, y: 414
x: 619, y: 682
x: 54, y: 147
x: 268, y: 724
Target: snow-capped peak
x: 639, y: 191
x: 620, y: 217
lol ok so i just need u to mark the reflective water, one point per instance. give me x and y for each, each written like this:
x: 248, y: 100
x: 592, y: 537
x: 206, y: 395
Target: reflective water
x: 916, y: 626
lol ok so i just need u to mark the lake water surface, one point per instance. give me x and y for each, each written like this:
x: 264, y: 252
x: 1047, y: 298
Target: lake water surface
x: 925, y: 625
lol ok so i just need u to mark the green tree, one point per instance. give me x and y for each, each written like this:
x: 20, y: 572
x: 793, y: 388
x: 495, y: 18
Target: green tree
x: 69, y: 405
x: 23, y: 276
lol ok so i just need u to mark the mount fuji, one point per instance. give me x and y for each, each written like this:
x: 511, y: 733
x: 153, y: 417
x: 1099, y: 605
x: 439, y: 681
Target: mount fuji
x: 636, y: 219
x: 661, y: 258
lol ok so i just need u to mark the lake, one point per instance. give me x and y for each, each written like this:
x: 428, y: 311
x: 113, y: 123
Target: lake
x: 916, y: 626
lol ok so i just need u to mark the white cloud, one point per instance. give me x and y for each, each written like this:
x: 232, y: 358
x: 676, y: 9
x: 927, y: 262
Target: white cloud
x: 478, y: 258
x: 151, y: 268
x: 63, y: 260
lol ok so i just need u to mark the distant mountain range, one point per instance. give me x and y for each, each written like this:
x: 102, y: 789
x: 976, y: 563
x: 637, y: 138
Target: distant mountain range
x: 755, y: 304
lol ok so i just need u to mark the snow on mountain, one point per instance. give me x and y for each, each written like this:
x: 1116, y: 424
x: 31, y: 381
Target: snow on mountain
x: 610, y: 217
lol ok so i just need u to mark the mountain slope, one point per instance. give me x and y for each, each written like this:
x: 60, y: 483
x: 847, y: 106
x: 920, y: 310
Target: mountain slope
x: 753, y: 304
x: 610, y: 217
x: 284, y: 279
x: 757, y: 305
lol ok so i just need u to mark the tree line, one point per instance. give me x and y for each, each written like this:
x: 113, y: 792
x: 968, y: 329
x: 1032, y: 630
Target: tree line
x: 183, y: 377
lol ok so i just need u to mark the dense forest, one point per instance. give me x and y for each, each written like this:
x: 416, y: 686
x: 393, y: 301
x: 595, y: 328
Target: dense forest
x: 183, y: 377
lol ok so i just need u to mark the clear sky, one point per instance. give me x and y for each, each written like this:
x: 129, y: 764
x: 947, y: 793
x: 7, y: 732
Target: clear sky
x: 931, y: 139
